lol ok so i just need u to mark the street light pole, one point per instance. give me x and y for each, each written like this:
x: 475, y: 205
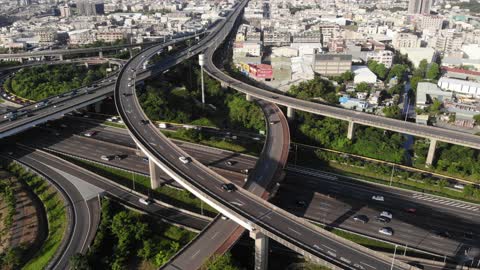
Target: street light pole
x: 201, y: 62
x: 393, y: 258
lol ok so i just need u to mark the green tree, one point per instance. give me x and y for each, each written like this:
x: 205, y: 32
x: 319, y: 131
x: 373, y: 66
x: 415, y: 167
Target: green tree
x: 79, y: 262
x: 433, y: 71
x: 414, y: 82
x: 363, y: 87
x: 422, y: 68
x: 398, y: 71
x: 477, y: 119
x: 224, y: 262
x: 392, y: 112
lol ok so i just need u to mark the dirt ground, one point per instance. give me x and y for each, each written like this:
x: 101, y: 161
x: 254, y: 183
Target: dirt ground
x: 26, y: 220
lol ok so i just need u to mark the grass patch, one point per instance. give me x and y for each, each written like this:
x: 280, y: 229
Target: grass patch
x: 56, y: 215
x: 250, y: 148
x: 206, y: 122
x: 170, y: 195
x: 112, y: 124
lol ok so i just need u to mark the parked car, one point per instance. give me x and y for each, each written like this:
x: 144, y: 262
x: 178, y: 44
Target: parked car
x: 378, y: 198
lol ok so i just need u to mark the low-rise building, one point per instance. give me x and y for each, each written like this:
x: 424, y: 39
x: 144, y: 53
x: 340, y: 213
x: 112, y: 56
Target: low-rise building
x: 363, y: 74
x: 405, y: 40
x: 383, y: 57
x: 332, y: 64
x: 416, y: 55
x: 427, y: 92
x: 247, y: 48
x: 460, y: 86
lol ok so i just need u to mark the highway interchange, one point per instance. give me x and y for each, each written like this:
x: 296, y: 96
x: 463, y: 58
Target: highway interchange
x: 416, y: 231
x: 329, y: 201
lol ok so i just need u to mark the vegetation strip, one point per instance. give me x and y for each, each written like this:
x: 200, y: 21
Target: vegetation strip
x: 56, y: 215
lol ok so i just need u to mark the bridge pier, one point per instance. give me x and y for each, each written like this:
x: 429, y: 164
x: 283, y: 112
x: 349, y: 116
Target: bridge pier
x: 261, y: 250
x: 351, y: 129
x: 100, y: 54
x: 155, y: 171
x: 431, y: 152
x: 61, y: 57
x: 290, y: 113
x: 98, y: 107
x: 248, y: 97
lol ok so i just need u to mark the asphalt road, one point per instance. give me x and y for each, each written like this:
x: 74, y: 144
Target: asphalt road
x: 346, y: 197
x: 450, y: 136
x: 85, y: 212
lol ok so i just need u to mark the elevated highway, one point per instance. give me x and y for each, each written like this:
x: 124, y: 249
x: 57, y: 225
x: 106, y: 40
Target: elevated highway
x: 246, y: 209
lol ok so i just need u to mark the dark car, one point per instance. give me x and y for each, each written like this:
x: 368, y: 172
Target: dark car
x: 120, y: 156
x: 229, y: 187
x: 382, y: 219
x: 442, y: 234
x: 361, y: 218
x: 145, y: 122
x: 145, y: 159
x: 301, y: 203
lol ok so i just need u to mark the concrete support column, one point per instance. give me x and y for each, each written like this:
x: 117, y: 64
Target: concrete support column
x: 248, y: 97
x: 61, y: 57
x: 155, y: 180
x: 290, y: 113
x: 351, y: 129
x: 98, y: 107
x: 100, y: 54
x: 431, y: 152
x: 131, y: 52
x: 261, y: 250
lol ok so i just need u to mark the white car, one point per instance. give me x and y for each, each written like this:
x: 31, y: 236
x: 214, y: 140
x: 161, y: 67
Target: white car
x: 184, y: 160
x: 386, y: 230
x: 378, y: 198
x: 147, y: 201
x: 386, y: 214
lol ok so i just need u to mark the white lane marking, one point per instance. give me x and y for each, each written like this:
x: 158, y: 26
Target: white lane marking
x: 368, y: 265
x: 294, y: 231
x: 215, y: 235
x: 329, y: 248
x: 446, y: 202
x: 195, y: 254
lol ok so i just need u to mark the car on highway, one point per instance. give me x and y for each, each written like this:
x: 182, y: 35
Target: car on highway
x: 411, y: 210
x: 361, y: 218
x: 145, y: 159
x: 229, y: 187
x: 441, y: 234
x: 382, y: 219
x: 378, y: 198
x: 184, y: 160
x: 386, y: 230
x: 146, y: 201
x: 90, y: 133
x: 106, y: 158
x: 224, y: 217
x: 386, y: 214
x: 145, y: 122
x: 120, y: 156
x: 301, y: 203
x: 229, y: 163
x: 41, y: 104
x: 272, y: 122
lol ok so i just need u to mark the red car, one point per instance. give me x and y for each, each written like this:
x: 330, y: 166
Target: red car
x: 411, y: 210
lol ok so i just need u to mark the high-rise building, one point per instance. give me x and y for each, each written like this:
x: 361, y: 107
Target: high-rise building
x: 89, y: 8
x: 65, y: 11
x: 419, y: 6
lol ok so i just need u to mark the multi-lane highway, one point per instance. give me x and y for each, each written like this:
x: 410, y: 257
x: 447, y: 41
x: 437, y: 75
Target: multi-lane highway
x: 328, y: 199
x: 82, y: 209
x: 222, y: 234
x: 241, y: 206
x: 58, y: 105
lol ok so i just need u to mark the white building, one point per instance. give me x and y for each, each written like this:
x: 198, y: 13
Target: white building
x: 247, y: 48
x: 416, y: 55
x: 472, y: 51
x: 383, y: 57
x: 460, y: 86
x: 363, y: 74
x: 405, y: 40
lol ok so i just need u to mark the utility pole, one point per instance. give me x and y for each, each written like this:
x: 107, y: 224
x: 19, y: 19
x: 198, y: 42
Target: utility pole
x: 201, y: 62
